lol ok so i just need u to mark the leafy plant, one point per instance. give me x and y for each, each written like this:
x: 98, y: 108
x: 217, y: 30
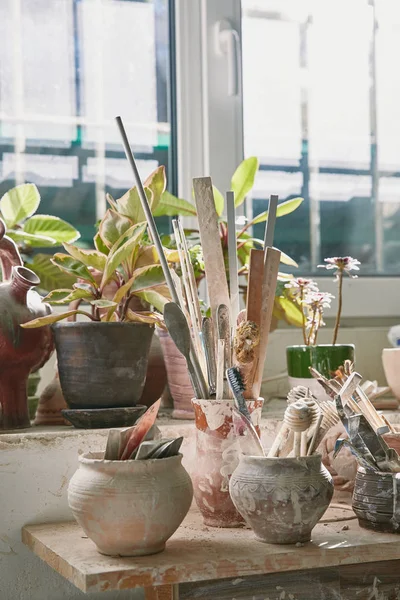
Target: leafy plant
x: 31, y: 231
x: 121, y: 277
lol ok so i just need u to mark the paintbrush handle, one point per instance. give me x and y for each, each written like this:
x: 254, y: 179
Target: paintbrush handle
x: 282, y: 434
x: 312, y: 444
x: 297, y: 444
x: 303, y: 450
x: 220, y: 369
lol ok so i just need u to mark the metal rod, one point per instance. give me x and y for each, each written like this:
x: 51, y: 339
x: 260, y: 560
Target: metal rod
x: 270, y: 227
x: 232, y: 255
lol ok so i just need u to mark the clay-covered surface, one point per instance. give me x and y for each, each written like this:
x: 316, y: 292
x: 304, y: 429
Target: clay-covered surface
x: 198, y: 553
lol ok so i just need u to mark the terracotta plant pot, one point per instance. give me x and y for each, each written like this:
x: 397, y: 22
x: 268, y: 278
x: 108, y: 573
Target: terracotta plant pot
x: 156, y: 375
x: 217, y: 456
x: 391, y: 366
x: 179, y: 383
x: 130, y: 507
x: 281, y: 499
x: 102, y: 365
x: 376, y: 500
x: 326, y: 358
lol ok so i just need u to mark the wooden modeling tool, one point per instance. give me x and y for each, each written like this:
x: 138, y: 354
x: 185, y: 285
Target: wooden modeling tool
x: 193, y: 359
x: 224, y: 333
x: 298, y: 418
x: 232, y: 256
x: 220, y: 369
x: 207, y: 331
x: 254, y: 286
x: 179, y: 331
x: 211, y: 244
x: 249, y: 441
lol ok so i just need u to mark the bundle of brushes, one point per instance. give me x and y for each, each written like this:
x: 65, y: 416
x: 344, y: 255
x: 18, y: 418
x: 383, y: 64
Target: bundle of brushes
x: 138, y: 443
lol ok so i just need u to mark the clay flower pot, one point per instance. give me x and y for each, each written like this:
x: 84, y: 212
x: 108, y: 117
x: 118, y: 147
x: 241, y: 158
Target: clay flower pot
x: 179, y: 383
x: 102, y: 365
x: 281, y: 499
x: 217, y: 456
x: 130, y: 507
x: 326, y: 358
x: 376, y: 499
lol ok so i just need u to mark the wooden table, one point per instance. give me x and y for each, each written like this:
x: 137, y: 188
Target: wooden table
x: 231, y: 563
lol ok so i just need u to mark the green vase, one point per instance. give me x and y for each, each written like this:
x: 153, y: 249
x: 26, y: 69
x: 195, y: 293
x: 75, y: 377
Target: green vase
x: 325, y: 358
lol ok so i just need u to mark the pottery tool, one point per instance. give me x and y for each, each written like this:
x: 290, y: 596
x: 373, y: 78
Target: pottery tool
x: 249, y: 441
x: 220, y: 369
x: 224, y: 333
x: 179, y: 331
x: 211, y: 244
x: 314, y: 443
x: 254, y: 286
x: 237, y: 386
x: 270, y: 277
x: 207, y: 331
x: 192, y: 278
x: 140, y: 430
x: 350, y: 388
x: 232, y: 255
x: 298, y: 418
x: 195, y: 366
x: 145, y: 449
x: 112, y: 448
x: 366, y: 461
x: 168, y: 449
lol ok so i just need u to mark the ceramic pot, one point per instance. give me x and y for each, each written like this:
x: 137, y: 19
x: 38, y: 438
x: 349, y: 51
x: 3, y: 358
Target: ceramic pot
x: 102, y: 365
x: 156, y: 375
x: 21, y: 350
x: 51, y: 403
x: 217, y: 456
x: 376, y: 500
x: 281, y: 499
x: 391, y: 366
x: 130, y: 507
x: 179, y: 382
x: 326, y: 358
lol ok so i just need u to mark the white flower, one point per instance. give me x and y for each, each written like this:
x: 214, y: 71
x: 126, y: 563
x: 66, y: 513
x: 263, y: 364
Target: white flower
x: 342, y: 264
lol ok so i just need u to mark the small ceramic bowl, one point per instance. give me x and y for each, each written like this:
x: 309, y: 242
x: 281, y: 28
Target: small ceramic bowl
x: 391, y: 366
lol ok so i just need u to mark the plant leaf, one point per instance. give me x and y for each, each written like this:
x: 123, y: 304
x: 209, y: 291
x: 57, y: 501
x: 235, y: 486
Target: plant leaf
x: 145, y: 317
x: 111, y: 201
x: 103, y: 303
x: 112, y: 226
x: 49, y: 319
x: 130, y: 205
x: 286, y: 310
x: 100, y: 245
x: 50, y: 276
x: 122, y: 249
x: 243, y: 179
x: 53, y: 227
x: 73, y: 267
x: 90, y: 258
x: 156, y: 182
x: 219, y: 201
x: 171, y: 206
x: 144, y: 278
x: 285, y: 208
x: 156, y: 297
x: 67, y: 296
x: 19, y: 203
x: 31, y: 239
x: 285, y: 258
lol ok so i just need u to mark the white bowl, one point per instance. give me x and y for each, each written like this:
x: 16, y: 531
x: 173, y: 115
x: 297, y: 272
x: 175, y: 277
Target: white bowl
x: 391, y: 366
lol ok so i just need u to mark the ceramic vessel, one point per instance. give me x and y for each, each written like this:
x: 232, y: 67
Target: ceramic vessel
x: 115, y: 353
x: 130, y: 507
x: 156, y: 375
x: 281, y: 499
x: 376, y: 500
x: 51, y: 403
x: 391, y: 366
x: 217, y: 456
x: 179, y: 383
x: 326, y: 358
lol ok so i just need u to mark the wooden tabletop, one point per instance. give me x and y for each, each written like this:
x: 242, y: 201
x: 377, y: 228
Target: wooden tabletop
x: 199, y: 553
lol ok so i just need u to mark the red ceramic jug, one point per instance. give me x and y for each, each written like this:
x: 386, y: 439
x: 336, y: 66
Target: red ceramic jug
x: 21, y: 350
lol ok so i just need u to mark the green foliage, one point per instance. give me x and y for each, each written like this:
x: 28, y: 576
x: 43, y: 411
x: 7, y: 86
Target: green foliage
x: 242, y: 181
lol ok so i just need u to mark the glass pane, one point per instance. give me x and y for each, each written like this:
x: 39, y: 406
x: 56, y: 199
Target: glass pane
x: 67, y: 68
x: 321, y: 103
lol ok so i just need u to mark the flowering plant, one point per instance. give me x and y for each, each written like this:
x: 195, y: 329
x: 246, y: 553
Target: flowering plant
x: 312, y: 303
x: 341, y: 265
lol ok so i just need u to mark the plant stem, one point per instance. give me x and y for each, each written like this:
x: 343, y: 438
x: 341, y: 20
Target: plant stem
x: 339, y: 310
x: 303, y: 315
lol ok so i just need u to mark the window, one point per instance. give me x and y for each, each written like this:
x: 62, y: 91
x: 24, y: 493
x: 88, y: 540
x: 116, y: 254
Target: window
x: 67, y: 68
x: 321, y: 94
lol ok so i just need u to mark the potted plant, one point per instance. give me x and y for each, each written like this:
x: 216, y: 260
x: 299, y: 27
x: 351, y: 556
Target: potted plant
x: 325, y: 358
x: 113, y: 279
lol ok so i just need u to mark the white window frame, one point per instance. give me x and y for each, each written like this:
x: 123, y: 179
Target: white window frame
x: 210, y: 131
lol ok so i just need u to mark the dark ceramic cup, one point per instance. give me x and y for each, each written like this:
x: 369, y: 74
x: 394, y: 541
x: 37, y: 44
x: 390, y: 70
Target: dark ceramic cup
x: 102, y: 365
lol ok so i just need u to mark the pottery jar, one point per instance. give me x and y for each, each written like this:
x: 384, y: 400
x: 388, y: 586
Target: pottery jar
x: 179, y: 382
x: 130, y: 507
x: 217, y: 456
x: 326, y: 358
x: 281, y: 499
x: 376, y: 500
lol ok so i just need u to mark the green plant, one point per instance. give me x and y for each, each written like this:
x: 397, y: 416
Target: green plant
x: 31, y: 231
x: 123, y: 266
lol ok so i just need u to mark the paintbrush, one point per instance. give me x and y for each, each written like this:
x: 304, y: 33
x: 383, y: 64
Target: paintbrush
x: 237, y: 386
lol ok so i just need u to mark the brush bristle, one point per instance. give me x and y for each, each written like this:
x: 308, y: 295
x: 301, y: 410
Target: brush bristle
x: 235, y: 379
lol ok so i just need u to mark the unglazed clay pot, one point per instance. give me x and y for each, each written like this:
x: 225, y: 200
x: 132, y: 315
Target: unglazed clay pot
x: 217, y: 456
x: 281, y: 499
x: 376, y: 500
x: 130, y: 507
x: 102, y: 365
x: 179, y: 383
